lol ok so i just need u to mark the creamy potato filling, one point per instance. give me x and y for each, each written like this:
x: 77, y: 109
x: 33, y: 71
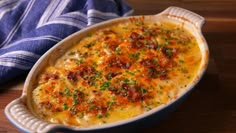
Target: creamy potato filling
x: 117, y: 73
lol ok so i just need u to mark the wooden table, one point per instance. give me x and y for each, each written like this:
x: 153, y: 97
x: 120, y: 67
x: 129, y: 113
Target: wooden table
x: 211, y: 107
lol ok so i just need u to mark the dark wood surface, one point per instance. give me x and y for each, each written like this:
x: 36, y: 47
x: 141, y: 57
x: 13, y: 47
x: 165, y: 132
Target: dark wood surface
x: 211, y: 107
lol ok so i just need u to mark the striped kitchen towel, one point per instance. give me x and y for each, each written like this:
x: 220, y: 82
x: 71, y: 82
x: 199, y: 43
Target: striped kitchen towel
x: 28, y: 28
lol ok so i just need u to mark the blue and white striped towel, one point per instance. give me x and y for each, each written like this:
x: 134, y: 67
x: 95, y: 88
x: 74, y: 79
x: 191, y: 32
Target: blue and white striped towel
x: 28, y: 28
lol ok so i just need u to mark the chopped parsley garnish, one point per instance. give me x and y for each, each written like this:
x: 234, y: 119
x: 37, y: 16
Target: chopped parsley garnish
x: 168, y: 52
x: 65, y: 106
x: 134, y: 56
x: 181, y: 61
x: 161, y: 87
x: 143, y: 91
x: 91, y: 107
x: 110, y: 103
x: 67, y: 91
x: 105, y: 85
x: 81, y: 115
x: 89, y: 45
x: 99, y: 116
x: 126, y: 81
x: 185, y: 43
x: 71, y: 53
x: 130, y: 73
x: 118, y: 51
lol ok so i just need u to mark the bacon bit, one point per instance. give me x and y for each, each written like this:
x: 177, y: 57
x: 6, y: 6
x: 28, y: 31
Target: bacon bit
x: 108, y: 31
x: 134, y: 95
x: 151, y: 45
x: 97, y: 92
x: 58, y: 109
x: 169, y: 52
x: 132, y: 92
x: 163, y: 74
x: 107, y: 38
x: 46, y: 104
x: 51, y: 76
x: 72, y: 76
x: 112, y: 45
x: 86, y: 71
x: 136, y: 40
x: 78, y: 97
x: 152, y: 72
x: 102, y: 53
x: 136, y: 44
x: 111, y: 75
x: 149, y: 63
x: 135, y: 36
x: 102, y: 109
x: 113, y: 90
x: 119, y: 62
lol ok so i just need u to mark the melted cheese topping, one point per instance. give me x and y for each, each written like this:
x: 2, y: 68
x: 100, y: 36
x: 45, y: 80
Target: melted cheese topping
x: 117, y: 73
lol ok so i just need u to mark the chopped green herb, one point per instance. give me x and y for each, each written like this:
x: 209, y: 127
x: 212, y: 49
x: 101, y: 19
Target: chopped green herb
x: 146, y: 32
x: 89, y: 45
x: 65, y: 106
x: 159, y: 92
x: 181, y: 61
x: 131, y: 73
x: 139, y: 23
x: 73, y: 110
x: 98, y: 74
x: 167, y: 42
x: 60, y: 93
x: 118, y: 51
x: 78, y: 62
x: 74, y: 96
x: 71, y: 53
x: 105, y: 85
x: 67, y: 91
x: 147, y: 108
x: 134, y: 56
x: 126, y: 81
x: 81, y: 115
x: 125, y: 27
x: 185, y: 43
x: 168, y: 31
x: 143, y: 91
x: 113, y: 98
x: 168, y: 51
x: 161, y: 87
x: 91, y: 107
x: 99, y: 116
x: 110, y: 103
x: 179, y: 42
x: 182, y: 69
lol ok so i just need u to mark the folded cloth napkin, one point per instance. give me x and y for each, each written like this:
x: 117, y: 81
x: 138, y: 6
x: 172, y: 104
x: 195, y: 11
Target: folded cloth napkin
x: 28, y: 28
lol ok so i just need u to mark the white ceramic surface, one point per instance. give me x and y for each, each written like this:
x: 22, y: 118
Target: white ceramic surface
x: 20, y: 112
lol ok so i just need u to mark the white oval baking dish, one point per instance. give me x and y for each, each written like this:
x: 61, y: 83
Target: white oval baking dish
x: 20, y: 112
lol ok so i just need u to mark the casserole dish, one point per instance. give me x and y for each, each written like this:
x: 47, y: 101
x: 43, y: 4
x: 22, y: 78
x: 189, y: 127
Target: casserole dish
x: 21, y: 113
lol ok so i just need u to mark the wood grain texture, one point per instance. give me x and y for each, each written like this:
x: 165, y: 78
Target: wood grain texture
x: 211, y: 107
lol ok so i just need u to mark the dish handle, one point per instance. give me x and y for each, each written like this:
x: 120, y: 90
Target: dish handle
x: 18, y: 114
x: 184, y: 15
